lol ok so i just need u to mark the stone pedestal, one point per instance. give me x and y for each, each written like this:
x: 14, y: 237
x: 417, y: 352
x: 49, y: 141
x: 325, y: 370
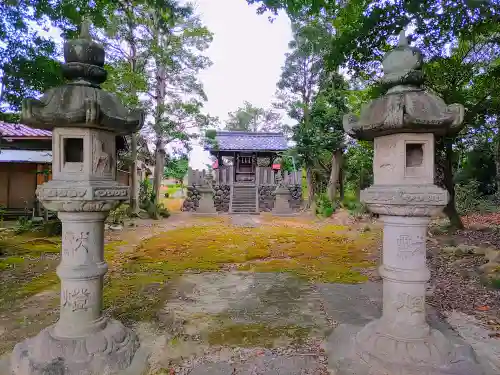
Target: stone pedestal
x: 82, y: 341
x: 281, y: 204
x: 206, y: 204
x: 401, y: 341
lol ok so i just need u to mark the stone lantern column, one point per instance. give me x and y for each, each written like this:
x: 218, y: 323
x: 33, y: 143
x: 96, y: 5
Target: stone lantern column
x: 281, y: 204
x: 402, y: 124
x: 206, y: 204
x: 85, y: 121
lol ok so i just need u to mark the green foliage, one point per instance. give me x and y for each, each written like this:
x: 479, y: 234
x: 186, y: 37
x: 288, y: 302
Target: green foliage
x: 479, y: 165
x: 23, y: 225
x: 324, y: 206
x: 470, y: 200
x: 251, y: 118
x: 157, y: 211
x: 210, y: 139
x: 145, y: 192
x: 176, y: 167
x: 358, y: 170
x: 119, y: 214
x: 52, y: 228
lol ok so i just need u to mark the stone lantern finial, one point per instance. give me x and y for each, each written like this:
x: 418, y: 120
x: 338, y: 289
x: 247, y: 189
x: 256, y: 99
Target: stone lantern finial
x: 406, y: 107
x: 403, y: 41
x: 85, y: 29
x: 81, y: 102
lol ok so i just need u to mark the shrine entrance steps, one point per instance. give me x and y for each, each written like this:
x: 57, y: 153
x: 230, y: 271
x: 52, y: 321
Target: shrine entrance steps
x: 244, y: 199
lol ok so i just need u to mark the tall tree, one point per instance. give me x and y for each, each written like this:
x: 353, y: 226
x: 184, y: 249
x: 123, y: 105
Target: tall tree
x: 176, y: 95
x: 299, y: 84
x: 251, y: 118
x: 127, y: 62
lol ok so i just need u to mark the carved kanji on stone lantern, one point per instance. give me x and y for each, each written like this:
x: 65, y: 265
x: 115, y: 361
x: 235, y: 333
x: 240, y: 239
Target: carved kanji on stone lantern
x: 402, y: 123
x: 85, y: 121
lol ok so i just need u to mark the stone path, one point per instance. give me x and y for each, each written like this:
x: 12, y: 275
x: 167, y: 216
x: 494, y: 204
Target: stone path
x: 210, y: 302
x: 244, y: 323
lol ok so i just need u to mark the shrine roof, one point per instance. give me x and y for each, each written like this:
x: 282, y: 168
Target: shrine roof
x: 20, y: 130
x: 250, y: 141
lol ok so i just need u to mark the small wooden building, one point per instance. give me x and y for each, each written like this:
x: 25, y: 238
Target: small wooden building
x: 244, y: 174
x: 25, y: 161
x: 248, y: 152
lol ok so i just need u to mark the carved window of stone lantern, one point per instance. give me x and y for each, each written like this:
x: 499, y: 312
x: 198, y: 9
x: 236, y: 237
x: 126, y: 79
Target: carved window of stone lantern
x: 73, y: 150
x: 418, y: 158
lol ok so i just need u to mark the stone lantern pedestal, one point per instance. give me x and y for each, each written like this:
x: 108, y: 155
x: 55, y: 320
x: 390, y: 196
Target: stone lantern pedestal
x: 281, y: 204
x: 85, y: 121
x: 402, y: 125
x: 206, y: 204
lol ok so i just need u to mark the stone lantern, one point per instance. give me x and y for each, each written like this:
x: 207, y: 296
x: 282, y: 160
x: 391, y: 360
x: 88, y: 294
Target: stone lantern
x: 281, y: 203
x: 402, y: 124
x: 85, y: 122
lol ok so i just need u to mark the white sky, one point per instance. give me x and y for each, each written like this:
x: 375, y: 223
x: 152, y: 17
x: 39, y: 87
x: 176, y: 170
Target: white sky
x: 247, y: 53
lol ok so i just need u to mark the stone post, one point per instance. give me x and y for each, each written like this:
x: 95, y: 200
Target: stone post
x: 85, y: 121
x: 206, y: 205
x: 281, y: 203
x: 402, y: 124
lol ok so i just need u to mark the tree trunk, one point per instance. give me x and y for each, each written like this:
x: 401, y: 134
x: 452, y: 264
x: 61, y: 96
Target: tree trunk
x: 159, y: 165
x: 160, y: 91
x: 341, y: 183
x: 333, y: 182
x: 310, y: 188
x: 134, y: 183
x: 444, y: 179
x: 497, y: 157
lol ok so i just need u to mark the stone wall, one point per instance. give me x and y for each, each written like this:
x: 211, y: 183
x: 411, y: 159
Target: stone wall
x: 222, y: 197
x: 266, y: 198
x: 295, y: 196
x: 192, y: 200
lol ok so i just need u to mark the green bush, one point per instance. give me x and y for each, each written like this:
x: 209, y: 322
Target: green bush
x: 324, y: 207
x: 52, y: 228
x: 24, y: 224
x: 157, y: 211
x: 145, y: 193
x: 119, y: 214
x: 469, y: 200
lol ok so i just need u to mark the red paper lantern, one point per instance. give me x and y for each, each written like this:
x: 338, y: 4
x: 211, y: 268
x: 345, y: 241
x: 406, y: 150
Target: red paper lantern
x: 215, y: 165
x: 277, y: 167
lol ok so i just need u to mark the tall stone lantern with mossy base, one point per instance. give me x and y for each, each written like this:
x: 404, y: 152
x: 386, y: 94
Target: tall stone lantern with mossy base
x: 402, y: 124
x: 85, y: 121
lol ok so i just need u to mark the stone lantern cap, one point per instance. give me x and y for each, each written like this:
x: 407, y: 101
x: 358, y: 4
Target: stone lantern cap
x: 406, y: 107
x: 81, y: 102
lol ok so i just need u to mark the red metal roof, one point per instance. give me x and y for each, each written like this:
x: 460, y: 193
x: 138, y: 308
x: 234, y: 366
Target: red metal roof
x: 20, y: 130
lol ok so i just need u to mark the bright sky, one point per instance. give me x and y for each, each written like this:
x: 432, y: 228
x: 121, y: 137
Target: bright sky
x: 247, y: 52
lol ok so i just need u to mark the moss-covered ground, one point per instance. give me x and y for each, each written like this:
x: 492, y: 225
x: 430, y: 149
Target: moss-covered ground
x: 142, y: 272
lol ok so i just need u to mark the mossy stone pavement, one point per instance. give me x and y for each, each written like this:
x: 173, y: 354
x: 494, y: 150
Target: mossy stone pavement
x: 201, y: 314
